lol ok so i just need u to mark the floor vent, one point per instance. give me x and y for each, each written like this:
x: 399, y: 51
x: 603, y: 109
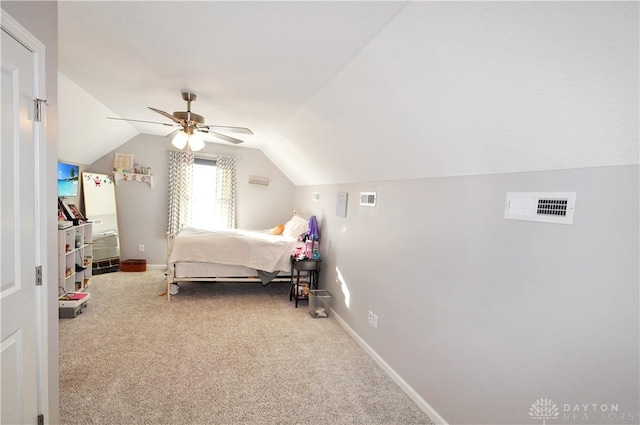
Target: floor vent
x: 368, y: 199
x: 547, y: 207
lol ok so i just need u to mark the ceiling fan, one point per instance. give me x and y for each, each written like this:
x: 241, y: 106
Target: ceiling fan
x: 191, y: 124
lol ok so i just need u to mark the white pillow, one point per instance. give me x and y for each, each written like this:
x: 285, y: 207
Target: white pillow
x: 295, y: 227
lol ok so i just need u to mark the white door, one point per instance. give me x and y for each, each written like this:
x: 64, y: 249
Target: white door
x: 18, y: 170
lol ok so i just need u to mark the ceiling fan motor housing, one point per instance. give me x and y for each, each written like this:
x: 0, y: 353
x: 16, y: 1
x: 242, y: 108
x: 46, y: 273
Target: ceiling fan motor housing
x: 189, y: 97
x: 189, y: 117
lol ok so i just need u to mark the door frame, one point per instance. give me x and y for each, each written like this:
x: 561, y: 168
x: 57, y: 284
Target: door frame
x: 46, y: 308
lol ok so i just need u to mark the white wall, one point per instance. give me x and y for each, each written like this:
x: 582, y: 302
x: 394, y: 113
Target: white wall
x: 83, y: 118
x: 467, y: 88
x: 40, y: 18
x: 142, y: 211
x: 482, y: 316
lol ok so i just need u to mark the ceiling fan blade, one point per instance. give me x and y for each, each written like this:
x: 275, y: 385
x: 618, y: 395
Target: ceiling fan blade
x: 242, y: 130
x: 166, y: 114
x: 223, y: 137
x: 149, y: 122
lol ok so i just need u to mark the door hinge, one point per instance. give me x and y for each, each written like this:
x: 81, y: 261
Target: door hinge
x: 38, y: 275
x: 41, y: 419
x: 37, y: 108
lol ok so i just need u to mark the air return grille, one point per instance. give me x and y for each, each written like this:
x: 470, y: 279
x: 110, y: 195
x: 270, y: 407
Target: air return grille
x: 548, y: 207
x: 552, y: 207
x: 368, y: 199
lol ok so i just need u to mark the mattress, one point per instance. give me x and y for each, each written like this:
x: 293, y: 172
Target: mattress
x: 256, y: 250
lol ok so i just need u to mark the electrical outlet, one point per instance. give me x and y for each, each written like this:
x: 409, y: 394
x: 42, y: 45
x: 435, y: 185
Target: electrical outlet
x: 374, y: 322
x: 370, y: 318
x: 140, y: 248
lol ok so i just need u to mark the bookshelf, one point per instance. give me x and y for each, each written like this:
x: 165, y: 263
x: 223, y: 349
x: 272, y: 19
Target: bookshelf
x: 75, y: 257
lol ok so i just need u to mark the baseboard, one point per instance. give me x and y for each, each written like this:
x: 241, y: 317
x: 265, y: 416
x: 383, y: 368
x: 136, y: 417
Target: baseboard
x: 156, y: 267
x: 413, y: 395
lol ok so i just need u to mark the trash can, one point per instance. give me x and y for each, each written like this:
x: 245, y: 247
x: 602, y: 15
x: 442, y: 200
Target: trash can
x: 319, y: 303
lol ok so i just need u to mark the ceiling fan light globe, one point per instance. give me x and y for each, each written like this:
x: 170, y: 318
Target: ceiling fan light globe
x: 195, y: 143
x: 180, y: 140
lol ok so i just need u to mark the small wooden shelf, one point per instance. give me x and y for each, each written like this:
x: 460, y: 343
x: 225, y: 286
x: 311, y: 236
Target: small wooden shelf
x: 120, y: 176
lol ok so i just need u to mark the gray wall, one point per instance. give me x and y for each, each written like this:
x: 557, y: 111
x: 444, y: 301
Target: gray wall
x: 480, y: 315
x: 142, y: 211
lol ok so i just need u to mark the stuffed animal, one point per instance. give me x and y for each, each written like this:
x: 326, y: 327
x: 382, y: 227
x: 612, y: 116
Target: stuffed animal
x: 277, y: 230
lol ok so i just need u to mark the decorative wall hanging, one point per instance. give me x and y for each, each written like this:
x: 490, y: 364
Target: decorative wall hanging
x: 123, y: 162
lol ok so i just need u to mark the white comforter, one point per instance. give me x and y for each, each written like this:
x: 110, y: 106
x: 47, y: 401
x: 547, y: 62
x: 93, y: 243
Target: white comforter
x: 258, y: 250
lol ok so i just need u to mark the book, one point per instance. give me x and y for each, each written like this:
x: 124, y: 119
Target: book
x: 74, y: 296
x: 73, y: 299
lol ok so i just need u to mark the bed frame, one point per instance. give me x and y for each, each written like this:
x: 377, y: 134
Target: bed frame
x: 174, y: 279
x: 181, y: 272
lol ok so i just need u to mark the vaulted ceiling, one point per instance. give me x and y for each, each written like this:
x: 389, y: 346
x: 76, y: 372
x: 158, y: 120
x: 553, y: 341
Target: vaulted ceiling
x: 359, y: 91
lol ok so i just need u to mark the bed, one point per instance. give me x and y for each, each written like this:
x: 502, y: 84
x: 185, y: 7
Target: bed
x: 233, y: 255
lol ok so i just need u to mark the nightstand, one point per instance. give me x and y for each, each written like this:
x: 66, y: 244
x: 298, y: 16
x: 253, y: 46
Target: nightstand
x: 312, y: 269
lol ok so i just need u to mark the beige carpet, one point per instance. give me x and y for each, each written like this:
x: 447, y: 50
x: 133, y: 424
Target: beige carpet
x: 221, y: 353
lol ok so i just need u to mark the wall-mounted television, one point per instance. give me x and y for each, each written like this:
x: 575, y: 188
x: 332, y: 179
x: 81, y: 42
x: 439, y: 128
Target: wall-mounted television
x: 68, y: 178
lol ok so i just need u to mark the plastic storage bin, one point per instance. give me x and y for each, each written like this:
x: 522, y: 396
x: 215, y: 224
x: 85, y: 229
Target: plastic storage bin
x: 319, y: 303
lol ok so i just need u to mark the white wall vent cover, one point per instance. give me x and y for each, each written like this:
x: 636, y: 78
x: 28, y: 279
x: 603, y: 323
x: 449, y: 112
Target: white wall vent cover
x: 548, y: 207
x: 368, y: 199
x: 263, y: 181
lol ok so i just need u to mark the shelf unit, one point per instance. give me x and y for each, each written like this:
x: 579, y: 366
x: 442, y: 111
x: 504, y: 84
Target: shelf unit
x: 75, y: 257
x: 311, y: 268
x: 121, y: 176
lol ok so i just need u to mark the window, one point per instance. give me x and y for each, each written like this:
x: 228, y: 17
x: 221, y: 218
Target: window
x: 203, y: 194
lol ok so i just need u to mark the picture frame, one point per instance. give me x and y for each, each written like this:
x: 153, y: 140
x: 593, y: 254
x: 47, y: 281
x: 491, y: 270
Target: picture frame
x: 66, y: 211
x: 123, y: 162
x: 76, y: 212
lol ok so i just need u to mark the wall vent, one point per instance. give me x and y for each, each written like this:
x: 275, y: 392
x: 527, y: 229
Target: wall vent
x: 263, y: 181
x: 368, y: 199
x: 547, y: 207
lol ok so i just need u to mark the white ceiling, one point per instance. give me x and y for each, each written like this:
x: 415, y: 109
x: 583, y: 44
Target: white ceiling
x: 251, y: 64
x: 362, y: 91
